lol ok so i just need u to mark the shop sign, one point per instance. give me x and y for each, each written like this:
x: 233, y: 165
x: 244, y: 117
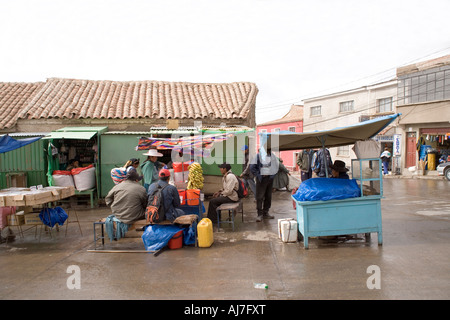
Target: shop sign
x: 397, y: 144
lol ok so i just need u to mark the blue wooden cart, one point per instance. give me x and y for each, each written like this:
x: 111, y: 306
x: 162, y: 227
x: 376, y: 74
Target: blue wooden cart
x: 347, y: 216
x: 339, y: 217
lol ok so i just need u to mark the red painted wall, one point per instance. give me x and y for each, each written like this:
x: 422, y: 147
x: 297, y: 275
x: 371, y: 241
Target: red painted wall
x: 287, y: 156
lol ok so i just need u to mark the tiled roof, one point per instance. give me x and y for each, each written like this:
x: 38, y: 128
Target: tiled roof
x: 294, y: 114
x: 76, y: 99
x: 13, y: 97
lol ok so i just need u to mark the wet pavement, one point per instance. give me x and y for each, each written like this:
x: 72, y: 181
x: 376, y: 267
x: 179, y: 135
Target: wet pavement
x: 412, y: 263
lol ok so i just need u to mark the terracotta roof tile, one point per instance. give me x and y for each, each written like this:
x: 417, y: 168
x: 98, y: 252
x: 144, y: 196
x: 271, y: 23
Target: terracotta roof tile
x: 13, y: 97
x: 294, y: 114
x: 70, y: 98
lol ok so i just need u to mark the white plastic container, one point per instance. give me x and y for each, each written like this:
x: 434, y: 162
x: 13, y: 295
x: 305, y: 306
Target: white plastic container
x: 279, y: 225
x: 287, y: 230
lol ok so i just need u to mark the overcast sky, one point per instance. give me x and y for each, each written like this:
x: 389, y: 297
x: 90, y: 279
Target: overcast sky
x: 291, y: 49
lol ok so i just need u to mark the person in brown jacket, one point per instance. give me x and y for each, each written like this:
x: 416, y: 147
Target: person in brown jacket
x: 227, y: 194
x: 128, y: 199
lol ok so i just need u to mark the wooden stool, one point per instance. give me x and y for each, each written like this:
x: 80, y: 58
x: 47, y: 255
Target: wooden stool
x: 232, y: 208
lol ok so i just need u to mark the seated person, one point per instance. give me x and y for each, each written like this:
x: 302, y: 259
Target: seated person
x: 228, y: 193
x: 338, y: 170
x: 128, y: 199
x: 170, y: 197
x: 74, y: 163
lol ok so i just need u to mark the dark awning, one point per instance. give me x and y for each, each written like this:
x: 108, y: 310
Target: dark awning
x: 286, y: 140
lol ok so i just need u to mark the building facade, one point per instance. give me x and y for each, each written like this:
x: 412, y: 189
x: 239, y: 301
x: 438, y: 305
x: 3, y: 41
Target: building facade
x: 292, y: 121
x: 349, y: 107
x: 424, y: 102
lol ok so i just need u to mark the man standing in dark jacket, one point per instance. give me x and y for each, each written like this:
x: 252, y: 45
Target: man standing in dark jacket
x: 264, y: 169
x: 322, y: 162
x: 304, y: 163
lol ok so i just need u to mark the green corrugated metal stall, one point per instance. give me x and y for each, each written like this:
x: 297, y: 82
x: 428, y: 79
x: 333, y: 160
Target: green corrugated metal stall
x: 80, y: 134
x: 118, y: 147
x: 28, y: 159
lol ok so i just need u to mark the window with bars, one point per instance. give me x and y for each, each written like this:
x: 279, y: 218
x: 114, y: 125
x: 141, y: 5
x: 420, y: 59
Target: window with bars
x: 430, y: 85
x: 346, y: 106
x: 291, y: 129
x: 343, y: 151
x: 384, y: 105
x: 316, y: 111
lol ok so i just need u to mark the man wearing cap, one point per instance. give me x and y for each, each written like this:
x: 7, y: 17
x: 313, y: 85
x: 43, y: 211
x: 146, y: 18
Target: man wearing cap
x: 170, y: 196
x: 151, y: 167
x: 228, y: 193
x: 338, y: 170
x: 128, y: 199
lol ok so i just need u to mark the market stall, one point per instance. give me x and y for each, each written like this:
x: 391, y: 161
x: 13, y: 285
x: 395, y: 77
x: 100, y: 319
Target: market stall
x: 31, y: 207
x: 338, y: 214
x: 186, y: 174
x: 73, y: 159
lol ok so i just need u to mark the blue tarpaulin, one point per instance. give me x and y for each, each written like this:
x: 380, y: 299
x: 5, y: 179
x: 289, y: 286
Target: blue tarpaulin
x: 8, y: 144
x: 156, y: 236
x: 323, y: 189
x: 52, y: 216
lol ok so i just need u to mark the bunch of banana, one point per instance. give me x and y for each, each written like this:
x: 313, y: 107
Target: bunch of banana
x: 195, y: 177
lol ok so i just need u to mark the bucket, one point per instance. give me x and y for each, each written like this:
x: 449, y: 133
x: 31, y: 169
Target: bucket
x: 177, y: 240
x: 193, y: 196
x: 182, y: 194
x: 180, y: 166
x: 205, y: 233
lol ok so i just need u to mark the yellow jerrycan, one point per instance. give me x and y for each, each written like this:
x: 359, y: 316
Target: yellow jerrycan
x: 205, y: 233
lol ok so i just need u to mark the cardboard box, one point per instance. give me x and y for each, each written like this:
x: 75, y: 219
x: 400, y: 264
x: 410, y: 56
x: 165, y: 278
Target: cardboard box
x: 14, y: 197
x: 14, y: 200
x: 15, y: 219
x: 59, y: 193
x: 33, y: 218
x: 38, y: 197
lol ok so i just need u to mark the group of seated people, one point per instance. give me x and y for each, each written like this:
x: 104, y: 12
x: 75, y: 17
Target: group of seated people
x: 128, y: 199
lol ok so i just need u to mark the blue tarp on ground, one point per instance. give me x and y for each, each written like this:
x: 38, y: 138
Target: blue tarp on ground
x: 8, y: 144
x: 156, y: 236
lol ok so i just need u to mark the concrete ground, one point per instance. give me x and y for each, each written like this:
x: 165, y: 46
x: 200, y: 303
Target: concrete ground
x: 412, y: 263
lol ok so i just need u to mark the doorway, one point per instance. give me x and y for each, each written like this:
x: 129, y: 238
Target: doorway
x: 410, y: 149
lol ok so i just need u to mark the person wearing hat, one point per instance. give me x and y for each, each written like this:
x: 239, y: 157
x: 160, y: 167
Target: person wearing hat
x: 128, y: 199
x: 151, y: 166
x: 170, y: 196
x: 338, y: 170
x: 227, y: 194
